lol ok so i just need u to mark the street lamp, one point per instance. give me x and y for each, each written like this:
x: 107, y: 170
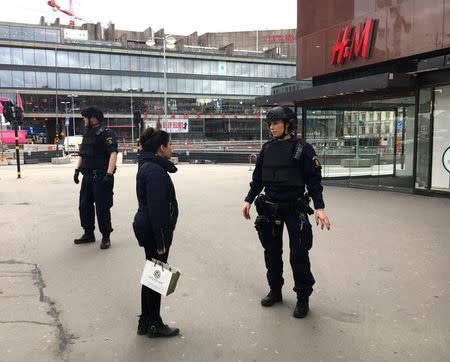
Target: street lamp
x: 132, y: 118
x: 262, y: 86
x: 66, y: 122
x: 168, y: 42
x: 72, y: 95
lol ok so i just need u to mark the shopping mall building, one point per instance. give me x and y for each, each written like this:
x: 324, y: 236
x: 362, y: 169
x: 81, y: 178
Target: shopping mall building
x: 210, y: 80
x: 378, y: 111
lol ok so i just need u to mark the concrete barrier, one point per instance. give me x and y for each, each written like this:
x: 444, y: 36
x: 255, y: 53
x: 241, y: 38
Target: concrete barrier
x: 61, y: 160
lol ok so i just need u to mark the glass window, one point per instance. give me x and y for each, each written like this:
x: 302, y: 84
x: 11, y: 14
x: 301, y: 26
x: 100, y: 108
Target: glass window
x: 189, y: 86
x: 126, y: 83
x: 231, y: 69
x: 171, y: 65
x: 50, y: 58
x: 75, y: 81
x: 40, y: 58
x: 63, y: 59
x: 17, y: 79
x: 181, y: 66
x: 96, y: 82
x: 74, y: 59
x: 28, y: 56
x: 84, y: 60
x: 125, y: 63
x: 116, y: 84
x: 105, y: 61
x: 154, y: 65
x: 27, y: 33
x: 94, y: 59
x: 172, y: 85
x: 261, y: 71
x: 5, y: 55
x: 63, y: 81
x: 52, y: 36
x: 135, y: 83
x: 134, y: 63
x: 253, y: 70
x: 106, y: 83
x: 30, y: 79
x: 440, y: 177
x: 145, y: 84
x: 85, y: 81
x: 6, y: 79
x: 15, y: 33
x: 17, y: 56
x: 197, y: 67
x: 4, y: 32
x: 41, y: 80
x: 115, y: 62
x: 144, y: 64
x: 39, y: 34
x: 423, y: 139
x: 206, y: 86
x: 181, y: 85
x: 206, y: 67
x: 188, y: 66
x: 230, y: 87
x: 245, y: 69
x: 51, y: 80
x: 197, y: 86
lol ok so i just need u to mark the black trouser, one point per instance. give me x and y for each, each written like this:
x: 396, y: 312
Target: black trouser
x: 300, y: 241
x: 94, y: 191
x: 151, y: 300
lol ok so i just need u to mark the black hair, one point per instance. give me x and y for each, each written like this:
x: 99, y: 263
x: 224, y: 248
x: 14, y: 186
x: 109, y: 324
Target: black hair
x: 151, y: 140
x: 93, y: 112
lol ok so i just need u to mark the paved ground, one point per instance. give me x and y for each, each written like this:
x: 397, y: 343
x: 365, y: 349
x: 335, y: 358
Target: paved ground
x: 382, y: 292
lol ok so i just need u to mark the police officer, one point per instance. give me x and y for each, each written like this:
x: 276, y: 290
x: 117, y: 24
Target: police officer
x: 97, y: 164
x: 285, y: 167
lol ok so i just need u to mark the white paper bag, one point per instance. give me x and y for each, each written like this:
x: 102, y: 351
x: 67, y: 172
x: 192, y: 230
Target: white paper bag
x: 160, y: 277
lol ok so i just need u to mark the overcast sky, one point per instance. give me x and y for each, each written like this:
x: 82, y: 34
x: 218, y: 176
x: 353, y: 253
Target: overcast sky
x: 176, y: 16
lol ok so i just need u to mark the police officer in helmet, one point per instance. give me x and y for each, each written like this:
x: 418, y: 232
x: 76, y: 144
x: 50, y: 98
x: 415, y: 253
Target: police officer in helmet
x: 285, y: 169
x: 97, y: 164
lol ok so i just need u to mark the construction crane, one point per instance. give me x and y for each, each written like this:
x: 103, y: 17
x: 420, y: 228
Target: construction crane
x: 69, y: 12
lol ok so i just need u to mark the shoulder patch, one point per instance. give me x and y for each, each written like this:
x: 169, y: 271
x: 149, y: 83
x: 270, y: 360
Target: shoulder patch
x: 316, y: 161
x: 109, y: 141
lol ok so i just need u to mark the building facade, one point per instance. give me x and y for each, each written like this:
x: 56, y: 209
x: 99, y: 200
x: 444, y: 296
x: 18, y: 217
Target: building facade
x: 209, y: 81
x: 378, y: 110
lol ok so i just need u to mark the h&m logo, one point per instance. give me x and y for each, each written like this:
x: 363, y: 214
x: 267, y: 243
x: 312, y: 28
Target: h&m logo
x: 352, y: 42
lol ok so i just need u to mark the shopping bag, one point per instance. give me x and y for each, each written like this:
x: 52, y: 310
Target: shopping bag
x: 160, y: 277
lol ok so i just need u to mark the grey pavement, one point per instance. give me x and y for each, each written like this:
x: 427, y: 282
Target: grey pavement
x: 382, y: 273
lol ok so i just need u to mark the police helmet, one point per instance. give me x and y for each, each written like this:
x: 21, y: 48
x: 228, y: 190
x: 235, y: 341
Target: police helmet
x: 283, y: 113
x: 93, y: 112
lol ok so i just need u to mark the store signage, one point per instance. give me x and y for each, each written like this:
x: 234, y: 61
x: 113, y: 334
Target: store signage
x: 353, y: 42
x: 446, y: 159
x: 286, y: 38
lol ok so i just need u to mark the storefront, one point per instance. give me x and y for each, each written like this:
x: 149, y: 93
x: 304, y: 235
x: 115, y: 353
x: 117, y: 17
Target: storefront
x: 378, y: 111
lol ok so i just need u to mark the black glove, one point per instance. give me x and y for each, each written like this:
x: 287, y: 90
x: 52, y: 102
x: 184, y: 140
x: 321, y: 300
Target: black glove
x: 108, y: 179
x: 75, y: 176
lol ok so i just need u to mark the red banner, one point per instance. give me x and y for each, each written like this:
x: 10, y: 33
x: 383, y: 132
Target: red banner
x: 7, y: 137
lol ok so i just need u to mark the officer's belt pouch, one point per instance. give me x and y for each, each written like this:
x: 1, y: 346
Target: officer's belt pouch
x: 160, y: 277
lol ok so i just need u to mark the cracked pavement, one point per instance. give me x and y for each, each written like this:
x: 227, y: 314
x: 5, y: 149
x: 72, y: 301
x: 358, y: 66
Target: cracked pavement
x: 382, y: 288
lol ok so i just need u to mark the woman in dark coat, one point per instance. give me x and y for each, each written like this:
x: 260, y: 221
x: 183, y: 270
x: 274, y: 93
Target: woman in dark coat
x: 155, y: 220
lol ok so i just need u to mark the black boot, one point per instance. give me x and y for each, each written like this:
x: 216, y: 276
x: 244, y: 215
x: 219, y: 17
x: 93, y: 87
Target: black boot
x: 272, y: 298
x: 86, y: 238
x: 302, y: 308
x: 143, y: 325
x: 106, y: 243
x: 160, y: 329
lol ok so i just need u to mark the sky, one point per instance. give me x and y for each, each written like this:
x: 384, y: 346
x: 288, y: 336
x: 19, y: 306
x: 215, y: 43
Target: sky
x: 181, y: 17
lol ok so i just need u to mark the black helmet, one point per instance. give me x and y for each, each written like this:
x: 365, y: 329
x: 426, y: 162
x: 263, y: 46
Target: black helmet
x: 282, y: 113
x: 93, y: 112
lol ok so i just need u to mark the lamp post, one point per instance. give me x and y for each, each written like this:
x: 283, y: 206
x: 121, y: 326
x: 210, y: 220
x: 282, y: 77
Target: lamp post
x: 72, y: 95
x: 66, y: 122
x: 262, y: 86
x: 132, y: 118
x: 168, y: 42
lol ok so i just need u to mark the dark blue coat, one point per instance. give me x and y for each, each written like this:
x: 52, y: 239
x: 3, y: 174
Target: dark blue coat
x: 157, y: 213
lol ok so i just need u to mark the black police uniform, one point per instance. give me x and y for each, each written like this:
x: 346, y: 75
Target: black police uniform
x: 284, y: 179
x: 97, y: 145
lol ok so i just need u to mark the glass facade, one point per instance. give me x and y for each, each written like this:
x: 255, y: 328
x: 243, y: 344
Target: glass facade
x: 368, y: 144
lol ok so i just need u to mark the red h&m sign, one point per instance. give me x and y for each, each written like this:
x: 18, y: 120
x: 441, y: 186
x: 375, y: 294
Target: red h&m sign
x: 353, y: 42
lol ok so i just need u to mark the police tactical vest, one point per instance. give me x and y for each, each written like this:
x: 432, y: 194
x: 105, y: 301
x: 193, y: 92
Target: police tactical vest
x: 279, y: 166
x: 93, y: 150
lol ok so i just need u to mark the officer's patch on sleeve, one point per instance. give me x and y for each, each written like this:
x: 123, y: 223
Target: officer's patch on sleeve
x: 109, y: 141
x: 316, y: 161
